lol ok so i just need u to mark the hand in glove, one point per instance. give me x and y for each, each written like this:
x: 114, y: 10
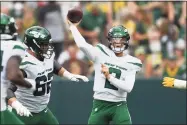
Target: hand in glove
x: 20, y: 109
x: 74, y: 77
x: 168, y: 82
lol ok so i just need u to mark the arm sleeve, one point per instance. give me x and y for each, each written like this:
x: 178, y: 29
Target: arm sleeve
x: 180, y: 84
x: 125, y: 85
x: 57, y: 67
x: 88, y: 49
x: 10, y: 92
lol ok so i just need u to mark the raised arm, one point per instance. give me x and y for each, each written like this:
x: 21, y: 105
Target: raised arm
x: 88, y: 49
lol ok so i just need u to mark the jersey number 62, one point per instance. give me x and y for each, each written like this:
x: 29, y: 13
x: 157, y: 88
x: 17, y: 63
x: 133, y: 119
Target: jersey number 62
x: 43, y: 84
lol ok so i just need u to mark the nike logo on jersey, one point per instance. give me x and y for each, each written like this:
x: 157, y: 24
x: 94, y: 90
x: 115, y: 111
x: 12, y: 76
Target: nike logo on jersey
x: 95, y: 109
x: 46, y: 110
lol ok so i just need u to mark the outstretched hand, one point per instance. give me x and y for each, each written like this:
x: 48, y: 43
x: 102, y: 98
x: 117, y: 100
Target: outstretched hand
x: 70, y: 23
x: 168, y: 82
x: 77, y: 78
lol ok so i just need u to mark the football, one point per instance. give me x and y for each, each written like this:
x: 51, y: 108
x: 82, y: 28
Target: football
x: 75, y: 14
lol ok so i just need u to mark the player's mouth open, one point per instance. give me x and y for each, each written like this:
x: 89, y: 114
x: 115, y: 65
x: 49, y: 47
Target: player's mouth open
x: 118, y: 45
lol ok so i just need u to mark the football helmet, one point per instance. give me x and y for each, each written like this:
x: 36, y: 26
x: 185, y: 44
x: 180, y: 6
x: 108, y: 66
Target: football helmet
x: 8, y: 29
x: 118, y: 38
x: 38, y: 40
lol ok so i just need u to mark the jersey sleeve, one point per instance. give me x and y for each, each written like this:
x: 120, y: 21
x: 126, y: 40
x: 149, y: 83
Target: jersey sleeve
x: 136, y: 64
x: 127, y: 84
x: 25, y: 65
x: 19, y: 50
x: 90, y: 51
x: 102, y: 49
x: 180, y: 84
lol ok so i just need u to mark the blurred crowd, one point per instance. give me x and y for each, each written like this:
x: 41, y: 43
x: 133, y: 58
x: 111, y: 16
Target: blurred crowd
x: 157, y: 29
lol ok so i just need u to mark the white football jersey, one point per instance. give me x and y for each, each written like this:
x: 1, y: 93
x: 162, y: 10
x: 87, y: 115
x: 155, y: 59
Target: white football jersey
x: 122, y: 68
x: 119, y: 67
x: 8, y: 49
x: 41, y: 72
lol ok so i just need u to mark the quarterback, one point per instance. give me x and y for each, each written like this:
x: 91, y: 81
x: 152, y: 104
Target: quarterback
x: 174, y: 83
x: 12, y: 52
x: 114, y: 75
x: 38, y: 66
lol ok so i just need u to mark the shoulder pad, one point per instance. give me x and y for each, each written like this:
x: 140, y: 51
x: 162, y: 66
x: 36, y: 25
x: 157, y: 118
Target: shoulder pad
x: 19, y: 45
x: 102, y: 48
x: 137, y: 64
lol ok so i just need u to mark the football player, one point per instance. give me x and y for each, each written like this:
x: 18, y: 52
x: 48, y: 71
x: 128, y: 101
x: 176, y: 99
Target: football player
x: 39, y: 66
x: 174, y: 83
x: 114, y: 75
x: 12, y: 52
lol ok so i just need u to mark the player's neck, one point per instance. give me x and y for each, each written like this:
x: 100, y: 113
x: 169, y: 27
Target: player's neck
x: 33, y: 54
x: 119, y: 54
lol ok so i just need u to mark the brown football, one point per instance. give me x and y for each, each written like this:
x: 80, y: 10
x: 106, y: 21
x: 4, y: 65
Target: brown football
x: 75, y: 14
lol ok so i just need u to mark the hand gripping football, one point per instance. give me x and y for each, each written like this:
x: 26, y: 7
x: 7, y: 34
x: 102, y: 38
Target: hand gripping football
x: 75, y: 14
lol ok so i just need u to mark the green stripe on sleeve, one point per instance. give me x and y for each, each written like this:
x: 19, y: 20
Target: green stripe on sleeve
x: 18, y: 47
x: 102, y: 49
x: 25, y: 63
x: 138, y: 64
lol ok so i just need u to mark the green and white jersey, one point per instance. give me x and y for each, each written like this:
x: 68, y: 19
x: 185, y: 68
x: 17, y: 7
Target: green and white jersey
x: 119, y: 67
x: 122, y: 68
x: 8, y: 48
x: 41, y: 72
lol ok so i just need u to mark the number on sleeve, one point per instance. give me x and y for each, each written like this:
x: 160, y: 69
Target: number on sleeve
x: 117, y: 74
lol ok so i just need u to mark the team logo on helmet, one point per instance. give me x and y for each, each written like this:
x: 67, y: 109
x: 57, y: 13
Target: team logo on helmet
x: 118, y: 38
x: 38, y: 39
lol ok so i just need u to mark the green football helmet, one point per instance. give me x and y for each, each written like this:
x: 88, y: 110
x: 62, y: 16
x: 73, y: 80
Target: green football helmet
x: 38, y: 40
x: 8, y: 29
x: 118, y: 38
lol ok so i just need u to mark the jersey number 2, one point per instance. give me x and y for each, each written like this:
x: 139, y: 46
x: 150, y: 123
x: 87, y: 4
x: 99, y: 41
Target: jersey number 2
x: 1, y: 59
x: 42, y: 86
x: 117, y: 74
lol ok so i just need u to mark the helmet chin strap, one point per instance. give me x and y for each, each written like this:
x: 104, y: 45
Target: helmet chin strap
x: 48, y: 54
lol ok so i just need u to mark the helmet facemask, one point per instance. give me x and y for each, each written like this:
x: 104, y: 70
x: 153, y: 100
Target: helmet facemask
x: 43, y: 50
x: 8, y: 31
x: 46, y: 50
x: 118, y: 45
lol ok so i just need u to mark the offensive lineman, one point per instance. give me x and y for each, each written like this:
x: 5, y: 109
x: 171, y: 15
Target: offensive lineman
x: 39, y: 65
x: 11, y: 53
x: 114, y: 75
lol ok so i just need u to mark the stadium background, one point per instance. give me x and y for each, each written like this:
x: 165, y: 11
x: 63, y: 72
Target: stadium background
x: 158, y: 39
